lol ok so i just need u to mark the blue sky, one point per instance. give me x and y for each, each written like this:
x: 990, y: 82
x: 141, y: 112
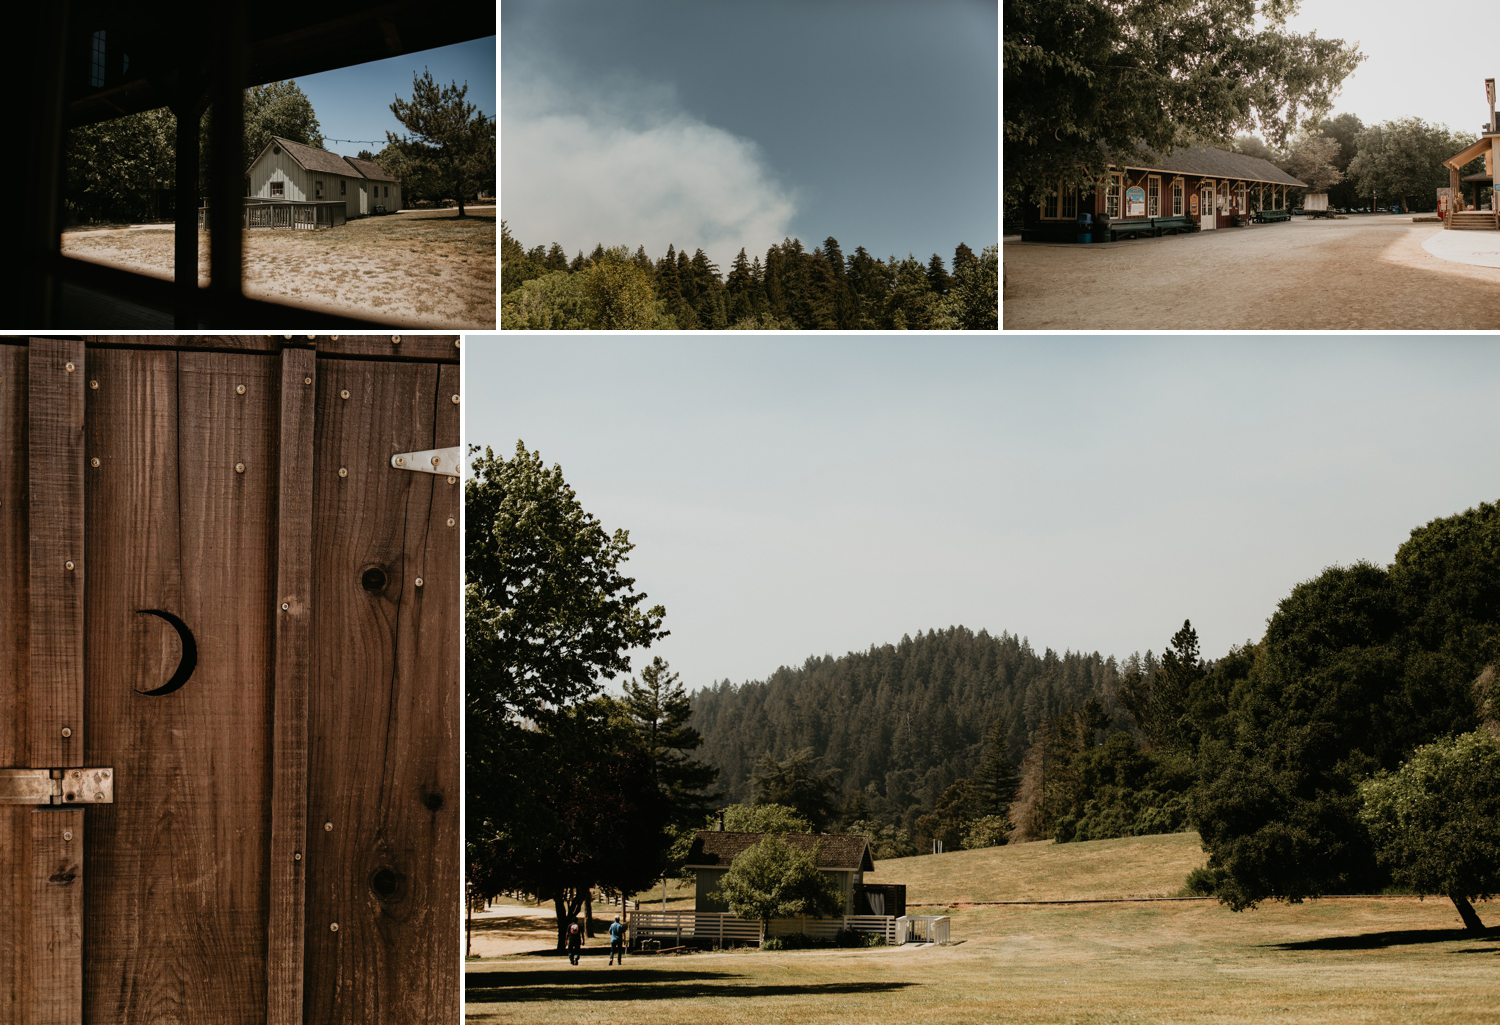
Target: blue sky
x: 729, y: 124
x: 789, y: 499
x: 355, y: 102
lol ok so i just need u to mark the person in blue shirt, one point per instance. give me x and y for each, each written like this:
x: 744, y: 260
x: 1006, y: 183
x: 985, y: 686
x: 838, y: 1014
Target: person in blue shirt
x: 616, y: 941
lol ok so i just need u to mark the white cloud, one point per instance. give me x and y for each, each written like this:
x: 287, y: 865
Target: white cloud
x: 625, y: 165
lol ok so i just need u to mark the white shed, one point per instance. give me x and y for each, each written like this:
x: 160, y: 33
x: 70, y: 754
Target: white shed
x: 296, y: 172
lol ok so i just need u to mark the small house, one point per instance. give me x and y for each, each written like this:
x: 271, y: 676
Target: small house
x: 845, y: 856
x: 288, y: 171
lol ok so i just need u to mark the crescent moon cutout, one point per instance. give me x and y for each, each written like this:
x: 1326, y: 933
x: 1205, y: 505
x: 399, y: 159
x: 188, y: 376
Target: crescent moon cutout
x: 189, y: 654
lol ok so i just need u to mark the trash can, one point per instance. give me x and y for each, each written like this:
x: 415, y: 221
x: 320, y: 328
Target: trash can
x: 1085, y: 227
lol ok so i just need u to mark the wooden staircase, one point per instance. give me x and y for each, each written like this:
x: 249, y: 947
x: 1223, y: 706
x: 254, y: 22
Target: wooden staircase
x: 1474, y: 220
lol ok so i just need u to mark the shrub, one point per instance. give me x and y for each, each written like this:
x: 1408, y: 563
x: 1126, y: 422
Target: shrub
x: 797, y: 941
x: 1201, y: 882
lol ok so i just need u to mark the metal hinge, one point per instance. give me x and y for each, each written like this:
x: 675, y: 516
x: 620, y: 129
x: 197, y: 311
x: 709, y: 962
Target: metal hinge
x: 57, y: 786
x: 432, y: 460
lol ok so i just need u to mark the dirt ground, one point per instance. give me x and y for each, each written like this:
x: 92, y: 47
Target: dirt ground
x: 1366, y: 273
x: 418, y: 269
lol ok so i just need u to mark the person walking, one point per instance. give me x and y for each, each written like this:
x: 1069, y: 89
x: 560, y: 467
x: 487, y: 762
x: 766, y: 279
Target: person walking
x: 575, y: 941
x: 616, y: 941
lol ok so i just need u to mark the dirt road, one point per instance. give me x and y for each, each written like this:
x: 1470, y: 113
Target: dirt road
x: 1366, y: 273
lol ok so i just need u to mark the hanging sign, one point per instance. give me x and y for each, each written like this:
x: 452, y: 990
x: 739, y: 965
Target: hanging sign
x: 1193, y: 203
x: 1135, y: 201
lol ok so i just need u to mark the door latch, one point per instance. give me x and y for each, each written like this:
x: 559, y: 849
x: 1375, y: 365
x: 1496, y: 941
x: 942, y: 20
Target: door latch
x: 57, y: 786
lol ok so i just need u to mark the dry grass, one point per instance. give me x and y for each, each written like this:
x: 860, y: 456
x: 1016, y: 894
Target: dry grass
x: 1331, y: 962
x: 421, y: 269
x: 1136, y: 866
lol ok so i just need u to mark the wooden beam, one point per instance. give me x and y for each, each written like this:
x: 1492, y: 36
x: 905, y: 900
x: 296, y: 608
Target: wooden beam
x: 293, y: 641
x: 55, y: 474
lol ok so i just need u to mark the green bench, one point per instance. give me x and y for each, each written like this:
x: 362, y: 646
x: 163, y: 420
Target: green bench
x: 1267, y: 216
x: 1151, y: 227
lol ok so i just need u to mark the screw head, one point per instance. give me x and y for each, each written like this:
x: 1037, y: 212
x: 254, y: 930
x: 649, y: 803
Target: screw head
x: 286, y: 606
x: 455, y: 400
x: 68, y: 565
x: 436, y: 460
x: 333, y: 927
x: 456, y: 342
x: 67, y: 731
x: 452, y: 480
x: 307, y: 380
x: 239, y: 467
x: 104, y: 775
x: 94, y: 385
x: 334, y: 337
x: 94, y: 461
x: 450, y: 521
x: 77, y: 774
x: 296, y: 855
x: 239, y: 389
x: 344, y: 394
x: 99, y: 795
x: 67, y: 834
x: 400, y: 461
x: 311, y: 337
x: 419, y: 581
x: 395, y: 339
x: 70, y: 368
x: 328, y: 827
x: 343, y: 471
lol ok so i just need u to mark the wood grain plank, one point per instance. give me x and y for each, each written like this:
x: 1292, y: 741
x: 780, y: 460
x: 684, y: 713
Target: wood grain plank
x: 55, y: 409
x: 56, y: 908
x: 205, y: 343
x: 16, y: 997
x: 293, y: 612
x: 440, y: 348
x: 178, y: 866
x: 383, y: 720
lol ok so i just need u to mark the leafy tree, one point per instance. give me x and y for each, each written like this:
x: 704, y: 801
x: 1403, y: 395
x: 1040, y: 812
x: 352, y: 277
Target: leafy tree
x: 1253, y: 146
x: 279, y: 108
x: 762, y: 818
x: 1123, y: 790
x: 1084, y: 78
x: 557, y: 300
x: 987, y: 831
x: 659, y: 710
x: 886, y: 840
x: 118, y: 169
x: 1345, y: 130
x: 1405, y: 158
x: 797, y: 782
x: 1436, y: 820
x: 620, y: 294
x: 449, y: 138
x: 949, y: 820
x: 774, y: 879
x: 548, y: 612
x: 1312, y: 157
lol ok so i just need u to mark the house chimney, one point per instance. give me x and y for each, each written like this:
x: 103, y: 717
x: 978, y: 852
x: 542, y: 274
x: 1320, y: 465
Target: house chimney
x: 721, y: 820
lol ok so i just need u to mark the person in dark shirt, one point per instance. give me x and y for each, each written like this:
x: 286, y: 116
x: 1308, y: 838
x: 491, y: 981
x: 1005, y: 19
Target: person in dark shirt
x: 575, y: 941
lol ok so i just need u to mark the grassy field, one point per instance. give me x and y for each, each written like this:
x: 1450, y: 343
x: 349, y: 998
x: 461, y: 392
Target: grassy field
x: 421, y: 269
x: 1329, y: 962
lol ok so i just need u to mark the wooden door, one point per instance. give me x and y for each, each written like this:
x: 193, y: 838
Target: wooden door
x: 282, y: 736
x: 1208, y: 217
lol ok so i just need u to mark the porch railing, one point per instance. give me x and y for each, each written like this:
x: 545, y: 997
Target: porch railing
x: 290, y: 214
x: 719, y: 927
x: 922, y: 929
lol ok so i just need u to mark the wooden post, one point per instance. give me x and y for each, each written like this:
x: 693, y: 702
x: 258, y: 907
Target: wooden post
x: 293, y: 645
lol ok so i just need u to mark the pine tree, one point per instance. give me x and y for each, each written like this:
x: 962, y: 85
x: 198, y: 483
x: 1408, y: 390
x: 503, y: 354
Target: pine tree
x: 578, y: 264
x: 668, y: 284
x: 643, y: 261
x: 775, y: 292
x: 451, y: 139
x: 659, y: 709
x: 937, y: 276
x: 820, y: 302
x: 738, y: 289
x: 962, y: 256
x: 996, y: 781
x: 556, y: 258
x: 845, y: 308
x: 597, y: 254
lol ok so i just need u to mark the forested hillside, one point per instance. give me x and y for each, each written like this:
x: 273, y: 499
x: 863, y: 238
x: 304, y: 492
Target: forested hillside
x: 794, y: 289
x: 903, y: 721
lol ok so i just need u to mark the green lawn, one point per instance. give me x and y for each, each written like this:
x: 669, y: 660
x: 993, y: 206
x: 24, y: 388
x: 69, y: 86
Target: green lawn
x: 1330, y: 962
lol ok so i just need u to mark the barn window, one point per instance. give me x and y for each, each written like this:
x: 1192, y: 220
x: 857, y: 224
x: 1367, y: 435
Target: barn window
x: 1177, y: 198
x: 343, y: 187
x: 96, y: 68
x: 387, y: 192
x: 1153, y: 196
x: 1070, y: 202
x: 278, y: 188
x: 317, y: 190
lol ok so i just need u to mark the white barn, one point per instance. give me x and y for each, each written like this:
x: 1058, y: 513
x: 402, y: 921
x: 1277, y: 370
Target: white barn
x: 287, y: 170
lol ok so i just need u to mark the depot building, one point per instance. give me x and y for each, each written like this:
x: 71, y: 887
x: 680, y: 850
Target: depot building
x: 1196, y: 188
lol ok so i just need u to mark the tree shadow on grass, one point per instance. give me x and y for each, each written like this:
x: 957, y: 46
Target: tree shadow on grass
x: 642, y: 984
x: 1393, y: 938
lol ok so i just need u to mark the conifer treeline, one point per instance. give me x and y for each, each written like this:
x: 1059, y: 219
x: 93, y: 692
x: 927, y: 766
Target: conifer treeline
x: 904, y: 721
x: 793, y: 289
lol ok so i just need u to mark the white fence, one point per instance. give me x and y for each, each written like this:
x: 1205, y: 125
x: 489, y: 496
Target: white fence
x: 922, y: 929
x: 675, y: 926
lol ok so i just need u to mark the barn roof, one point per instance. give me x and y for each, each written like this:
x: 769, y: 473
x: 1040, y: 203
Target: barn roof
x: 371, y: 170
x: 314, y: 159
x: 848, y: 851
x: 1215, y: 163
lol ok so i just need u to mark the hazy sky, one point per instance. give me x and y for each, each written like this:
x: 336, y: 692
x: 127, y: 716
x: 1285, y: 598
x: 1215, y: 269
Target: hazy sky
x: 1419, y: 62
x: 728, y: 124
x: 355, y: 103
x: 789, y: 499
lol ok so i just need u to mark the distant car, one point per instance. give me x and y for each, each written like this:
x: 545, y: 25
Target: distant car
x: 1296, y: 211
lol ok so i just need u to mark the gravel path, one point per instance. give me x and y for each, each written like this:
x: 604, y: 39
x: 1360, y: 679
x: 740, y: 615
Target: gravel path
x: 1366, y: 273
